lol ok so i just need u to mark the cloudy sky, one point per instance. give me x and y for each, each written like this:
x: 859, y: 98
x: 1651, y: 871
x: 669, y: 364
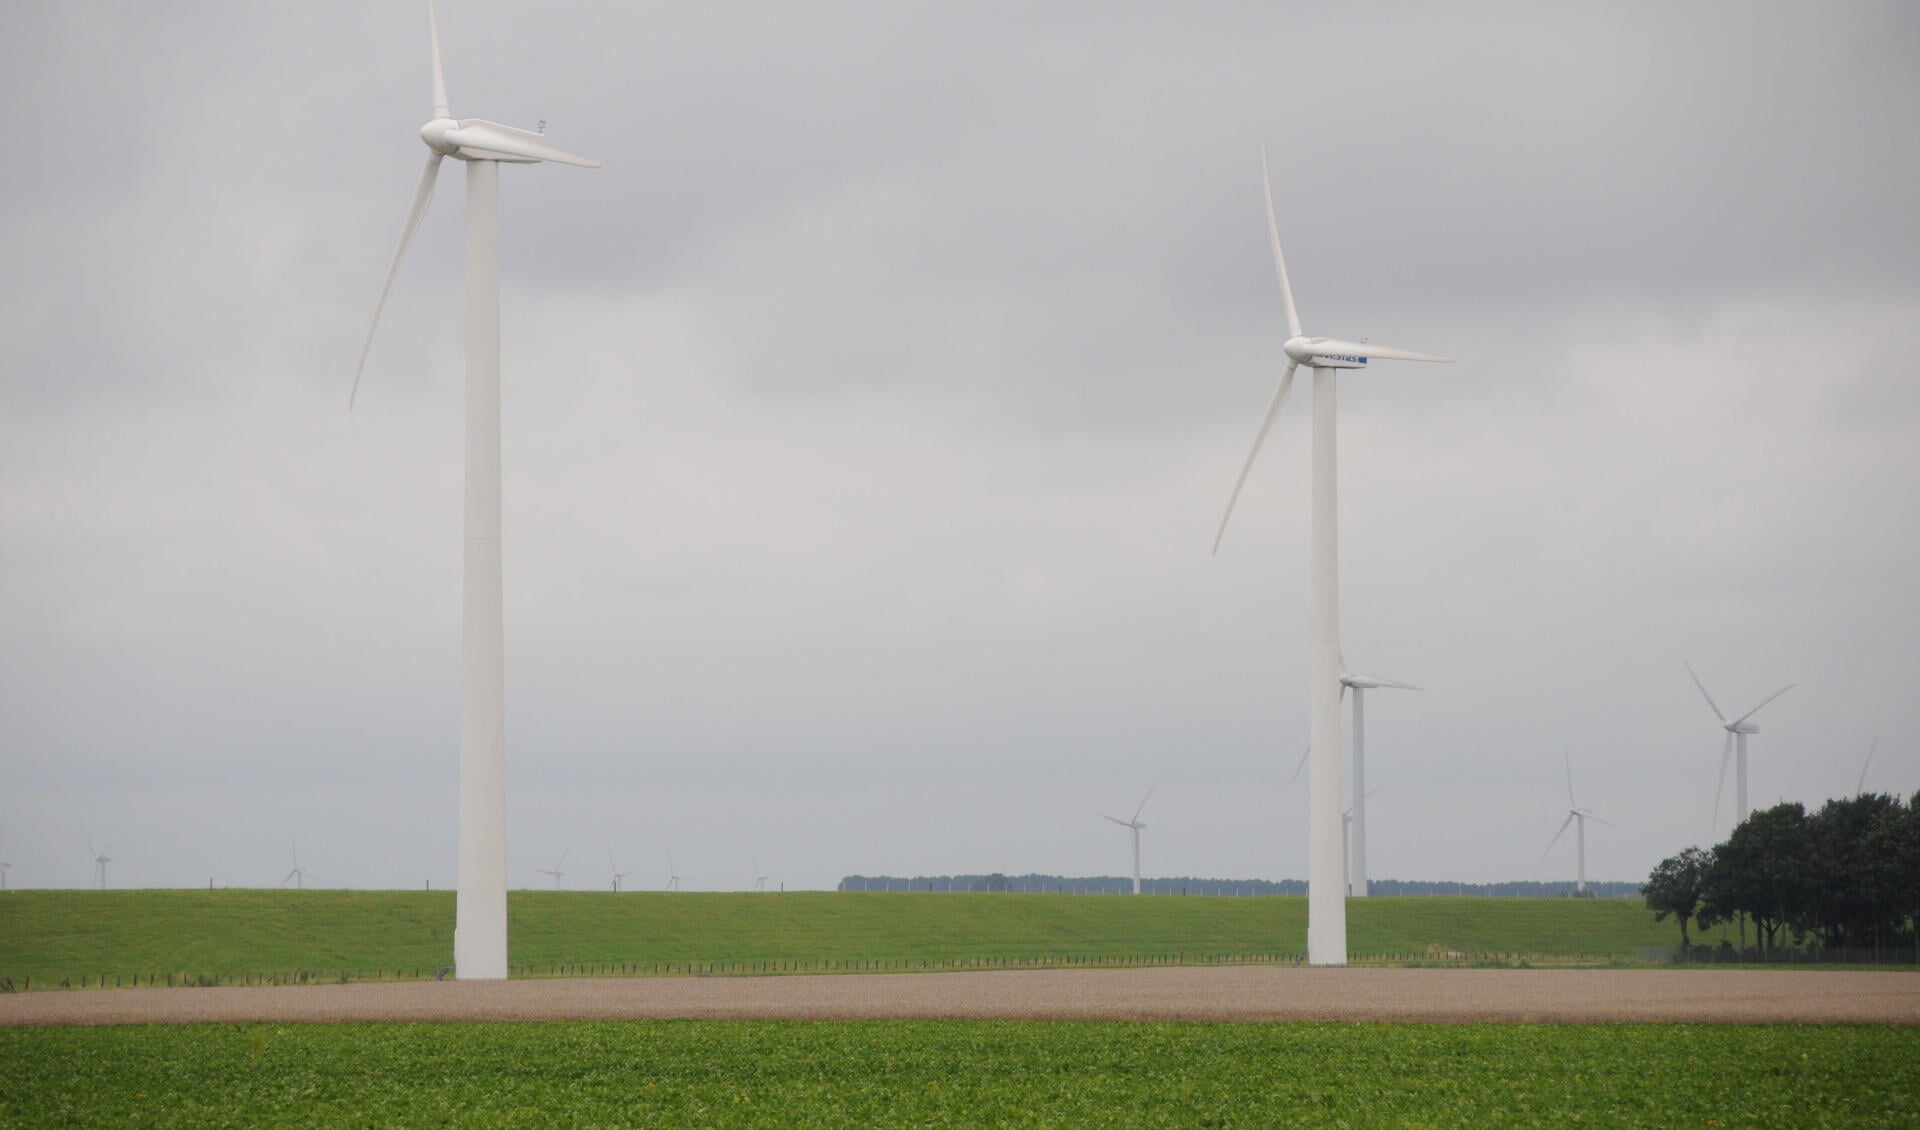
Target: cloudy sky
x: 869, y: 415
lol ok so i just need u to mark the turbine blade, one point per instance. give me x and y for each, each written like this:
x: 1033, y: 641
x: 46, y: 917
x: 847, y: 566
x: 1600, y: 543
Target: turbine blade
x: 1763, y: 702
x: 1705, y: 695
x: 1279, y: 259
x: 1557, y: 835
x: 494, y: 139
x: 1304, y: 754
x: 1332, y: 347
x: 289, y: 877
x: 1598, y: 820
x: 1862, y: 786
x: 1726, y: 753
x: 422, y: 195
x: 1115, y: 819
x: 1273, y: 409
x: 440, y: 109
x: 1143, y: 800
x: 1571, y: 803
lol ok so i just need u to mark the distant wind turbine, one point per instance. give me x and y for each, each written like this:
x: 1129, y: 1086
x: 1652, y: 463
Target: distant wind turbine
x: 298, y: 876
x: 555, y: 869
x: 1135, y: 826
x: 673, y: 874
x: 100, y: 861
x: 1737, y: 731
x: 480, y: 908
x: 1575, y: 814
x: 1326, y: 884
x: 1858, y: 789
x: 1347, y: 825
x: 1356, y: 839
x: 759, y: 880
x: 618, y: 875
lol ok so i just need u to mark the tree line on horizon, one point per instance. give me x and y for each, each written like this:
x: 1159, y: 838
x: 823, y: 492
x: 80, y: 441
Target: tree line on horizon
x: 1037, y: 883
x: 1843, y: 877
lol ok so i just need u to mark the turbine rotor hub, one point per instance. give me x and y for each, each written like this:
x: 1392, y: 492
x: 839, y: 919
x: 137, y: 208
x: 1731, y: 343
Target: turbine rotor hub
x: 434, y: 133
x: 1297, y: 350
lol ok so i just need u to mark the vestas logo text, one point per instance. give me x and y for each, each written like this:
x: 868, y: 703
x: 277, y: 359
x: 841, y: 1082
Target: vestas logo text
x: 1340, y: 357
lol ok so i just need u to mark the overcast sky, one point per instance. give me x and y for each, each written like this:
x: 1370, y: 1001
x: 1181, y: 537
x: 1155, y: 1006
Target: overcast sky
x: 869, y: 415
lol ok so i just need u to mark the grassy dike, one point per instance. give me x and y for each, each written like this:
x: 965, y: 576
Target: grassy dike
x: 51, y: 935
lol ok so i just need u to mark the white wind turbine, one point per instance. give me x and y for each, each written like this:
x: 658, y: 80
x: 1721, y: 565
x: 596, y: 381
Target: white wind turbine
x: 618, y: 875
x: 480, y: 914
x: 555, y: 869
x: 1580, y: 815
x: 673, y: 873
x: 299, y: 875
x: 1737, y: 731
x: 1346, y: 825
x: 1326, y: 904
x: 100, y: 861
x: 1356, y: 870
x: 1135, y: 826
x: 759, y: 880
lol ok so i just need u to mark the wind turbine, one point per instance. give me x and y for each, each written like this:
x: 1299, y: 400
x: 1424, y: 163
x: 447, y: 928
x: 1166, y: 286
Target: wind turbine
x: 299, y: 874
x: 1858, y: 790
x: 1326, y: 886
x: 1737, y: 731
x: 555, y: 869
x: 1580, y: 815
x: 1346, y: 826
x: 618, y: 874
x: 759, y: 880
x: 1135, y: 825
x: 480, y: 914
x: 100, y: 861
x: 673, y: 874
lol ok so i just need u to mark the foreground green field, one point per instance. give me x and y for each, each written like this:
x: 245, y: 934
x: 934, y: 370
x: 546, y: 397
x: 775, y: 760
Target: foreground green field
x: 686, y: 1073
x: 55, y: 935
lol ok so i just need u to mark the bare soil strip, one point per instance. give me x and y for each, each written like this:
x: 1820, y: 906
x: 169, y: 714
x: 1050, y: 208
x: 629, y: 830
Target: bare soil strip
x: 1233, y: 994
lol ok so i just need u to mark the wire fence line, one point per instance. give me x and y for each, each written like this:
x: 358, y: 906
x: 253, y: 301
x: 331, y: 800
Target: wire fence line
x: 794, y: 966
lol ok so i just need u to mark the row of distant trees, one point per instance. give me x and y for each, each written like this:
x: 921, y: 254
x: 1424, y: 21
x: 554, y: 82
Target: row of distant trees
x: 1846, y: 876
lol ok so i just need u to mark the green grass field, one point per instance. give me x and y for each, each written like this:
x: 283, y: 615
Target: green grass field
x: 687, y: 1073
x: 51, y: 935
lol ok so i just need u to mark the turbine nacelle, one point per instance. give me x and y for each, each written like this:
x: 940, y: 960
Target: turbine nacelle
x: 1742, y: 728
x: 1312, y: 352
x: 477, y: 139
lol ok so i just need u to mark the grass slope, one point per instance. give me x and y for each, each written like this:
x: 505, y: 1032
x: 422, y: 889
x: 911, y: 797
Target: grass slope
x: 48, y: 935
x: 685, y: 1073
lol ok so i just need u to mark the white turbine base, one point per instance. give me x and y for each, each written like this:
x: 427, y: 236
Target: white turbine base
x: 480, y: 909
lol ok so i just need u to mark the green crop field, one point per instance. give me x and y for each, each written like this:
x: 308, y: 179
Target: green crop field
x: 939, y: 1073
x: 53, y: 935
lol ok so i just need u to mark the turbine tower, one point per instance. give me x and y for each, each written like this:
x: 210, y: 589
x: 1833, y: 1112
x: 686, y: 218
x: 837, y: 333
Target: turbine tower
x: 673, y: 875
x: 618, y: 875
x: 555, y: 869
x: 1737, y: 731
x: 1135, y: 825
x: 480, y: 914
x: 1346, y: 828
x: 1575, y: 814
x: 1326, y: 904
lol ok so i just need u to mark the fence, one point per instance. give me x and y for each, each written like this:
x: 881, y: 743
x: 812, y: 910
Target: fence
x: 792, y: 966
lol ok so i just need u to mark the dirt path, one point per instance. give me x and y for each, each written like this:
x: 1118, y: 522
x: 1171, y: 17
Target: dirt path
x: 1242, y: 994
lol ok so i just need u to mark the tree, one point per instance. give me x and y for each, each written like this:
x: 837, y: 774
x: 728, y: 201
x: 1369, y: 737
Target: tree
x: 1764, y: 871
x: 1676, y: 887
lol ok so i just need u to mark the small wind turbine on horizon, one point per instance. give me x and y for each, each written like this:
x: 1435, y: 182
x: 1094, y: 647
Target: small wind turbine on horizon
x: 1347, y: 826
x: 100, y: 861
x: 759, y: 880
x: 1737, y: 731
x: 480, y: 907
x: 673, y: 873
x: 299, y: 874
x: 1356, y: 839
x: 618, y: 875
x: 1326, y: 861
x: 1575, y: 814
x: 1135, y: 826
x: 555, y: 869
